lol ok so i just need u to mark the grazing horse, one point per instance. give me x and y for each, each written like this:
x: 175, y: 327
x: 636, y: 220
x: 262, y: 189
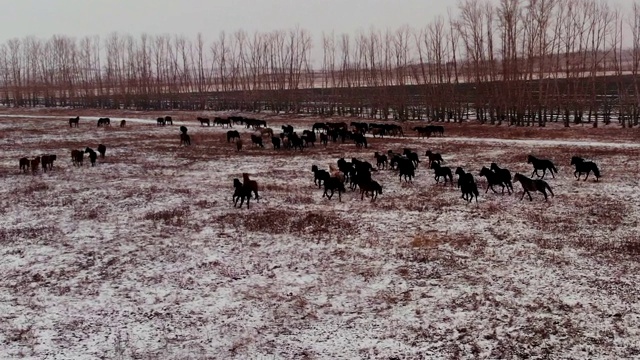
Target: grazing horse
x: 584, y: 167
x: 77, y: 157
x: 168, y: 120
x: 250, y: 185
x: 204, y: 121
x: 240, y: 193
x: 319, y: 175
x: 232, y: 134
x: 333, y: 184
x: 123, y: 123
x: 104, y: 122
x: 102, y: 150
x: 541, y: 164
x: 532, y: 185
x: 24, y: 164
x: 433, y: 157
x: 161, y: 121
x: 74, y: 121
x: 276, y: 142
x: 381, y: 160
x: 493, y: 179
x: 370, y: 186
x: 442, y: 171
x: 503, y: 174
x: 324, y: 139
x: 185, y: 139
x: 92, y: 155
x: 34, y: 164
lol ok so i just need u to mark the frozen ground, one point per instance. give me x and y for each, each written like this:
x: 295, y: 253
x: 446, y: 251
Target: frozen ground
x: 144, y: 256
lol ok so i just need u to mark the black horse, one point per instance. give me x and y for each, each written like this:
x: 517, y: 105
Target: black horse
x: 333, y: 184
x: 493, y: 179
x: 584, y: 167
x: 442, y: 171
x: 240, y: 193
x: 532, y: 185
x: 92, y: 155
x: 504, y: 175
x: 541, y: 164
x: 319, y: 175
x: 232, y: 134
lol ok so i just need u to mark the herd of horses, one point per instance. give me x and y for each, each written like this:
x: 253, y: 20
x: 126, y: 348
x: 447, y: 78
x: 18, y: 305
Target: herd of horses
x: 356, y: 173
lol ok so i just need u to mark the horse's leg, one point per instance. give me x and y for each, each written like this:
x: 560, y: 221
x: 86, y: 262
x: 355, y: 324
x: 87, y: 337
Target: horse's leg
x: 585, y: 178
x: 524, y: 191
x: 534, y: 172
x: 545, y: 194
x: 530, y: 198
x: 544, y: 172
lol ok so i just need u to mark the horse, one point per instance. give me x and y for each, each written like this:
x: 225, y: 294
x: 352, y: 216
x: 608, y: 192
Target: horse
x: 442, y: 171
x: 47, y: 162
x: 232, y: 134
x: 74, y: 121
x: 250, y: 185
x: 238, y: 144
x: 336, y: 173
x: 467, y: 184
x: 381, y: 160
x: 287, y: 129
x: 104, y: 122
x: 77, y: 157
x: 333, y: 184
x: 405, y: 167
x: 168, y: 120
x: 102, y: 150
x: 35, y: 162
x: 24, y: 164
x: 266, y: 131
x: 493, y: 179
x: 584, y: 167
x: 275, y: 141
x: 204, y: 121
x: 433, y: 157
x: 360, y: 140
x: 123, y: 123
x: 504, y: 174
x: 324, y: 139
x: 185, y: 139
x: 161, y: 121
x: 319, y: 175
x: 412, y: 156
x: 240, y: 193
x: 92, y: 155
x: 183, y: 129
x: 532, y: 185
x: 256, y: 140
x: 541, y: 164
x: 370, y: 186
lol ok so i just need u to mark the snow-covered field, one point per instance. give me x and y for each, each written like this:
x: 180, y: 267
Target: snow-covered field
x: 145, y: 257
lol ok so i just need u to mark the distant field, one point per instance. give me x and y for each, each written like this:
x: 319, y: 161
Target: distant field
x: 145, y: 257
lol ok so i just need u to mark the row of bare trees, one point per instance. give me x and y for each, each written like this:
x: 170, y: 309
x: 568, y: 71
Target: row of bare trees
x: 519, y: 61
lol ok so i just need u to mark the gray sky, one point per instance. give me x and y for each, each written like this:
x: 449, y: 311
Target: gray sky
x: 43, y: 18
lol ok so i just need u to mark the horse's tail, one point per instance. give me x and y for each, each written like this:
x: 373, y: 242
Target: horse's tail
x: 546, y: 185
x: 596, y: 171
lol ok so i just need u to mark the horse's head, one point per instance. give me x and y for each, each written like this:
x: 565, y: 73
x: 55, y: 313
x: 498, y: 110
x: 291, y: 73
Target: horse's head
x: 576, y: 160
x: 314, y: 168
x: 494, y: 166
x: 459, y: 171
x: 517, y: 177
x: 530, y: 159
x: 484, y: 171
x: 428, y: 153
x: 434, y: 165
x: 237, y: 183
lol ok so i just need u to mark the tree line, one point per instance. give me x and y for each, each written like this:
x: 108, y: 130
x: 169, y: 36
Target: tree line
x: 517, y: 61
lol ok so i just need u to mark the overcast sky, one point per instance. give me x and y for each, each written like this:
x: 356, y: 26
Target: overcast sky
x: 78, y: 18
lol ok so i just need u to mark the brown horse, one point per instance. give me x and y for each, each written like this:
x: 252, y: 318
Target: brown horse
x: 433, y: 157
x: 239, y: 144
x: 250, y: 185
x: 77, y: 156
x: 532, y: 185
x: 47, y: 162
